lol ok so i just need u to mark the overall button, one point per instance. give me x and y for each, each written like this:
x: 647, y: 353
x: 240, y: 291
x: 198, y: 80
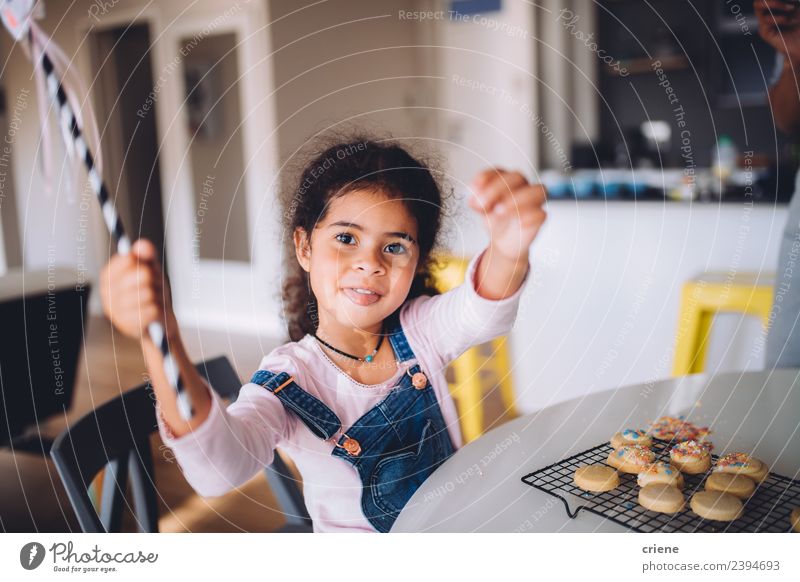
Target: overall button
x: 352, y: 446
x: 419, y: 380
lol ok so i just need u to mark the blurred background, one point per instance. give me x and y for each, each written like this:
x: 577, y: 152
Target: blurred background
x: 648, y: 121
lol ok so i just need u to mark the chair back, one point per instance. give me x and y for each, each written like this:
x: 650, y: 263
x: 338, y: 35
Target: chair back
x: 43, y: 315
x: 489, y: 363
x: 116, y: 436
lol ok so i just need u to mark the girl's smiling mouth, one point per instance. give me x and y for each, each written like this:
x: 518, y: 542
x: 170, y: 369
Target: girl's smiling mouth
x: 361, y: 295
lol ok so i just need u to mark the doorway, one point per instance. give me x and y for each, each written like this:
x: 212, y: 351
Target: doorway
x: 128, y: 134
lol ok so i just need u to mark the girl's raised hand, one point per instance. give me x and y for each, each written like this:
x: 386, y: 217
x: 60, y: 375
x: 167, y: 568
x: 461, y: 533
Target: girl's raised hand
x: 132, y: 290
x: 512, y: 208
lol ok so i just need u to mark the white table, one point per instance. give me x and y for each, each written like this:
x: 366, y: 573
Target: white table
x: 479, y: 488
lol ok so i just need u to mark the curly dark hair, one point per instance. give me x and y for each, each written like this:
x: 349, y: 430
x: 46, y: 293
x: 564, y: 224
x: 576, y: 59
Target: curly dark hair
x: 360, y: 162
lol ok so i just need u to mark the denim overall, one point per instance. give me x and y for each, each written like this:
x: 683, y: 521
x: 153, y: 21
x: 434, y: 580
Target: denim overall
x: 394, y: 446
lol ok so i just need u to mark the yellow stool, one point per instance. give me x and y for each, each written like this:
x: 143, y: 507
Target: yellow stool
x: 469, y: 367
x: 707, y: 295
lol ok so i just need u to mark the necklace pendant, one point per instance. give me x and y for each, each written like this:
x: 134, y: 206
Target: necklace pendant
x: 368, y: 358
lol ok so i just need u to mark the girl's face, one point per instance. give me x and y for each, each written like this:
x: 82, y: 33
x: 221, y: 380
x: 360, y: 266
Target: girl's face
x: 361, y: 260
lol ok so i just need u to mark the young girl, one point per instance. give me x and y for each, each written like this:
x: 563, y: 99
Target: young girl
x: 358, y: 398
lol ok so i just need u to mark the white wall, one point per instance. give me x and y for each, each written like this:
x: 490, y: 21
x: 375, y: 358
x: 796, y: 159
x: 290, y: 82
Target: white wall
x: 486, y: 93
x: 602, y: 307
x: 348, y: 63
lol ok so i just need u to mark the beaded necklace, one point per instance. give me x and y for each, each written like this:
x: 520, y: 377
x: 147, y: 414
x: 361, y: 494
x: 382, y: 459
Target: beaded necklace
x: 367, y: 358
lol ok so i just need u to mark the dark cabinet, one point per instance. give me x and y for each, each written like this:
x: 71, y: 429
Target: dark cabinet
x: 699, y: 65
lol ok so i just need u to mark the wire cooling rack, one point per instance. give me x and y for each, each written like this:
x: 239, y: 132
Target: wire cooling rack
x: 767, y: 510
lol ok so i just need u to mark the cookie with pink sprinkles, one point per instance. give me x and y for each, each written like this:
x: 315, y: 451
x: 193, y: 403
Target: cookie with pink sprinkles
x: 742, y: 464
x: 631, y: 436
x: 670, y: 428
x: 690, y: 457
x: 631, y: 458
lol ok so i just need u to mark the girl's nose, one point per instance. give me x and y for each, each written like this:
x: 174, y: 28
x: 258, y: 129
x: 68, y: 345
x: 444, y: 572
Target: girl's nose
x: 370, y: 264
x: 370, y: 268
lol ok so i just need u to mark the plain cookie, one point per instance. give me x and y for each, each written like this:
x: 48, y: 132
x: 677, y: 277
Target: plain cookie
x: 631, y: 437
x: 795, y: 519
x: 596, y: 478
x: 738, y: 485
x: 716, y: 505
x: 631, y: 458
x: 661, y: 498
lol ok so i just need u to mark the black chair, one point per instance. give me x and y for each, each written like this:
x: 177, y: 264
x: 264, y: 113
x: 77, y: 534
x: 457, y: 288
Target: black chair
x: 43, y: 316
x: 117, y: 436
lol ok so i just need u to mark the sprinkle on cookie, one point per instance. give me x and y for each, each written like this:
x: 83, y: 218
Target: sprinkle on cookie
x: 656, y: 468
x: 691, y: 449
x: 669, y: 427
x: 633, y: 435
x: 637, y: 454
x: 735, y: 460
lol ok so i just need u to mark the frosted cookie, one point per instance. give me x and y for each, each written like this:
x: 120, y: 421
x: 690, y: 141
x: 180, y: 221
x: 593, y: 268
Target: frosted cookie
x: 716, y: 505
x: 690, y: 457
x: 660, y: 472
x: 739, y: 464
x: 795, y: 519
x: 694, y: 433
x: 631, y: 437
x: 738, y: 485
x: 596, y: 478
x: 665, y: 427
x: 670, y: 428
x: 631, y: 458
x: 661, y: 497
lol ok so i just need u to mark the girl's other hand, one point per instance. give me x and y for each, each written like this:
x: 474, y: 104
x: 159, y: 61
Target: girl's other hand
x: 512, y: 208
x: 134, y: 293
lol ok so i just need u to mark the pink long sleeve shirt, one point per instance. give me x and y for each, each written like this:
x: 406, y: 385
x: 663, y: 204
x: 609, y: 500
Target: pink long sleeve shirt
x: 237, y: 441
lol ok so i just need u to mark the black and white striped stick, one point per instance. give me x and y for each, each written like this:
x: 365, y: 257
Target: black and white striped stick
x: 70, y: 124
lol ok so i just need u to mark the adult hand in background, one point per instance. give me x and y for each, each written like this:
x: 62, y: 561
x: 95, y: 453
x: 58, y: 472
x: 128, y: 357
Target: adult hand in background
x: 779, y: 26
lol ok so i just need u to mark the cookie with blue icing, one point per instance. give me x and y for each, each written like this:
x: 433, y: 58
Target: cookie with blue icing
x: 660, y: 472
x: 631, y: 436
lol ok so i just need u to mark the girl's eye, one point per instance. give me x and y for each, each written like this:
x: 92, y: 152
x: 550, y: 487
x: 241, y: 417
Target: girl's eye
x: 344, y: 238
x: 393, y: 248
x: 398, y: 249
